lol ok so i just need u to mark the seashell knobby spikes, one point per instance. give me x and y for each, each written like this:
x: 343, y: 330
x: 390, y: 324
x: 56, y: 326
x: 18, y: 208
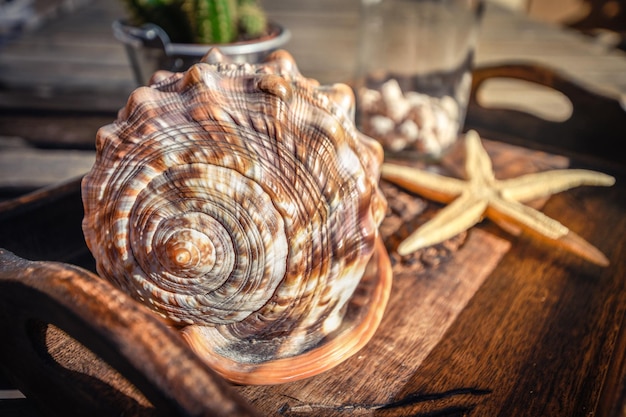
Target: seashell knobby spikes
x: 240, y: 202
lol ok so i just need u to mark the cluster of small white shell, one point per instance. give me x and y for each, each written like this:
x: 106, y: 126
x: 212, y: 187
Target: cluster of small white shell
x: 409, y: 120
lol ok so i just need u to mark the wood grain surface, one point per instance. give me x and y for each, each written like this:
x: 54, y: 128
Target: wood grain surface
x: 484, y: 324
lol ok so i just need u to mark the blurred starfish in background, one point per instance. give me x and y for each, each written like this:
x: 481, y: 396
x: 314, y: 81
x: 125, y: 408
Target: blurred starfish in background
x: 499, y: 200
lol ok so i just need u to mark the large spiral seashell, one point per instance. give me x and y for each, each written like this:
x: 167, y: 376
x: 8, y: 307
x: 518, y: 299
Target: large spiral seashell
x: 240, y: 203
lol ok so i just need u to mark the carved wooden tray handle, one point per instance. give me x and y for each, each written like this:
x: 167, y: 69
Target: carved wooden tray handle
x: 66, y: 331
x: 597, y: 122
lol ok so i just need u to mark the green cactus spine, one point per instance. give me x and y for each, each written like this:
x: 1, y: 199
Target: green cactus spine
x: 213, y: 21
x: 202, y: 21
x: 252, y: 20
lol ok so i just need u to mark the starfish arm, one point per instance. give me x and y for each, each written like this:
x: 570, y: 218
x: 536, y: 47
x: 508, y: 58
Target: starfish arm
x: 455, y: 218
x: 579, y: 246
x: 525, y: 217
x: 541, y: 184
x: 477, y: 162
x: 428, y: 184
x: 538, y: 224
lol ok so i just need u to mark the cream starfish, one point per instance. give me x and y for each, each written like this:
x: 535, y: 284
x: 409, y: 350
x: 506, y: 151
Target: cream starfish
x: 500, y: 200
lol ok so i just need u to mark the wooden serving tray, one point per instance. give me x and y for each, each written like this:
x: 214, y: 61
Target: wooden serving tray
x: 483, y: 324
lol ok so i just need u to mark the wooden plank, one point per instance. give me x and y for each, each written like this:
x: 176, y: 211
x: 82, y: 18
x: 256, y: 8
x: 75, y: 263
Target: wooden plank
x: 31, y: 169
x: 29, y: 15
x: 89, y: 77
x: 108, y: 52
x: 41, y: 99
x: 67, y: 130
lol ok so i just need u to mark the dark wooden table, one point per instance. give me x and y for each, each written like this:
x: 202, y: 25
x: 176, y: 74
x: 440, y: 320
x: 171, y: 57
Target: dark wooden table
x: 486, y: 324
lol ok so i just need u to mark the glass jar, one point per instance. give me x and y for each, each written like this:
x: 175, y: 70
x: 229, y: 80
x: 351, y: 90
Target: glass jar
x: 414, y: 73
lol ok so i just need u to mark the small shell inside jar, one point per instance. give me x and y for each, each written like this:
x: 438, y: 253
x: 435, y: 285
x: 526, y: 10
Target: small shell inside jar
x: 412, y: 121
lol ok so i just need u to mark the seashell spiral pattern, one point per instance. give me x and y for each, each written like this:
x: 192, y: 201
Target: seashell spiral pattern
x: 240, y: 203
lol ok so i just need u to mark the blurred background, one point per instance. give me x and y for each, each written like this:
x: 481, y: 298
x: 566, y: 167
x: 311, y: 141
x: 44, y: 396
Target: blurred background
x: 59, y: 60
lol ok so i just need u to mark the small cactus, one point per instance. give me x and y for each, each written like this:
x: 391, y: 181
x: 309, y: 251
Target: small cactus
x: 252, y: 19
x: 202, y: 21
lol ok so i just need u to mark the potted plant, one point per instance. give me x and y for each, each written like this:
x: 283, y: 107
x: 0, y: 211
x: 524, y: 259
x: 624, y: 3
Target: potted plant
x: 174, y: 34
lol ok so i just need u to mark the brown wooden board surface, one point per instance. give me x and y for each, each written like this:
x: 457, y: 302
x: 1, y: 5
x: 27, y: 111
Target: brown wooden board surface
x: 484, y: 324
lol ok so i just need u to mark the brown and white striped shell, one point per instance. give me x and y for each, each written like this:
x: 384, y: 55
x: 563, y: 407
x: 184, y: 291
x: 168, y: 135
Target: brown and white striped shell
x: 240, y: 203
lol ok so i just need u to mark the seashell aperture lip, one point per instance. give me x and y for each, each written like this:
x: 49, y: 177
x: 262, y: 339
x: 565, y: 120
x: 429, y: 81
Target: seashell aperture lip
x: 241, y: 203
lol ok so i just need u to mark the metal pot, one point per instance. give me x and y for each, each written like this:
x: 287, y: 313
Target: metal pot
x: 149, y: 48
